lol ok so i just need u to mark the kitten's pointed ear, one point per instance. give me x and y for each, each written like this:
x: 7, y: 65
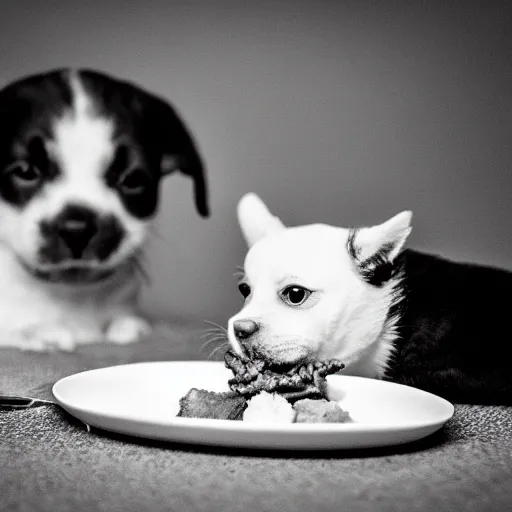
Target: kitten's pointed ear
x: 255, y: 219
x: 375, y: 248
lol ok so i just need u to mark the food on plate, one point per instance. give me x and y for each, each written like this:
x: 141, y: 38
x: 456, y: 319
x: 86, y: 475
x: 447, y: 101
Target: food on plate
x: 273, y: 408
x: 319, y: 411
x: 262, y: 392
x: 199, y: 403
x: 268, y: 408
x: 301, y: 381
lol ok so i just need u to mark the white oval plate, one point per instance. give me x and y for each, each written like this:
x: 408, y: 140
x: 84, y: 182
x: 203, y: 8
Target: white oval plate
x: 142, y: 399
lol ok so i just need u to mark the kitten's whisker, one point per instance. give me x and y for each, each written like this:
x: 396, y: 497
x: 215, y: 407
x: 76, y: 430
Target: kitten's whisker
x: 216, y: 350
x: 215, y: 324
x: 211, y: 333
x: 215, y: 330
x: 214, y: 340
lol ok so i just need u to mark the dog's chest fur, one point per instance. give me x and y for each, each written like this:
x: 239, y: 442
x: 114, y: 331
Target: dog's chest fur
x: 453, y: 329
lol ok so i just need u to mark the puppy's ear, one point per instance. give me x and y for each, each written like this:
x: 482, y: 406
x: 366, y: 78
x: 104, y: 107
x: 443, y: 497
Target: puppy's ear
x: 255, y: 219
x: 375, y: 248
x: 179, y: 151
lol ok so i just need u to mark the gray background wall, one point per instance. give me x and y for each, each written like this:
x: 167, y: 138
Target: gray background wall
x: 337, y: 112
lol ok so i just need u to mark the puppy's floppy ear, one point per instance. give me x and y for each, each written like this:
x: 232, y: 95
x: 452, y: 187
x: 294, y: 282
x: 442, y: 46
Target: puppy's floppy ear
x: 255, y: 219
x: 179, y: 151
x: 375, y: 248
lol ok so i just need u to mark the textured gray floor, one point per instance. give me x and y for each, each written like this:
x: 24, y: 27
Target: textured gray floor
x: 49, y: 462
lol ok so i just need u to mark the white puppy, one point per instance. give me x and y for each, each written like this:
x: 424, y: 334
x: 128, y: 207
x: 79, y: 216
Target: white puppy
x: 322, y: 292
x: 82, y: 155
x: 305, y: 298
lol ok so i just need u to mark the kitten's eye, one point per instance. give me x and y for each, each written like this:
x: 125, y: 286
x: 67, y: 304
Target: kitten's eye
x: 245, y: 289
x: 295, y: 295
x: 24, y: 174
x: 133, y: 181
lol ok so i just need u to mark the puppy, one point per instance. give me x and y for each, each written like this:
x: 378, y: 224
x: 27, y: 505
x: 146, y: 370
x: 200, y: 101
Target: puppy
x: 321, y: 292
x: 81, y: 159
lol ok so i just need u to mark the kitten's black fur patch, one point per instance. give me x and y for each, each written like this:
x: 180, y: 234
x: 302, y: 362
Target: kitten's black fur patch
x: 454, y: 332
x: 375, y: 270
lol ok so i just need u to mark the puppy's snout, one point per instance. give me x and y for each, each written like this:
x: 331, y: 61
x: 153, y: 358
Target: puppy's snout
x: 244, y: 329
x: 80, y: 233
x: 76, y: 229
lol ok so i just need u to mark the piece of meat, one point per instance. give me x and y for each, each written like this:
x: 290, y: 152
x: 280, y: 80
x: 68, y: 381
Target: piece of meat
x: 250, y: 377
x: 301, y: 381
x: 319, y: 411
x: 199, y: 403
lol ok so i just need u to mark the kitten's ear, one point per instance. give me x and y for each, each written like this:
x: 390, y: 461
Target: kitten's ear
x: 375, y: 248
x: 255, y: 219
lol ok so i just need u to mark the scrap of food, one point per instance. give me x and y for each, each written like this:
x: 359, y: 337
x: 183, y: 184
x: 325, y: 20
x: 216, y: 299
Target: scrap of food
x: 261, y: 392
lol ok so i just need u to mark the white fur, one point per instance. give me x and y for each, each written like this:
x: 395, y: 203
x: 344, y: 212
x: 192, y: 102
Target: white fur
x: 344, y: 318
x: 38, y: 315
x: 256, y: 219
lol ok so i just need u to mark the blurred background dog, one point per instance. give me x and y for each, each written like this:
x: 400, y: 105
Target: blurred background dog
x: 82, y: 155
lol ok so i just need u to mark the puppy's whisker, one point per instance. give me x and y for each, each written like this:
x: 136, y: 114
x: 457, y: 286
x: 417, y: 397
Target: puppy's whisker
x: 138, y: 266
x: 212, y: 333
x: 216, y: 329
x: 214, y: 340
x: 213, y: 346
x: 218, y: 334
x: 216, y: 325
x: 216, y: 350
x: 217, y: 345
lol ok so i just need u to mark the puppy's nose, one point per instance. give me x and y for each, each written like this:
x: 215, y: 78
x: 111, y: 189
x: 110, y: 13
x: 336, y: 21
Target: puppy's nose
x: 76, y: 229
x: 245, y: 328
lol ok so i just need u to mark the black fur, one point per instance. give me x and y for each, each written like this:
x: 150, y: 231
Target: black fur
x: 454, y: 329
x: 152, y: 136
x: 375, y: 270
x: 89, y: 236
x: 27, y: 109
x: 154, y: 132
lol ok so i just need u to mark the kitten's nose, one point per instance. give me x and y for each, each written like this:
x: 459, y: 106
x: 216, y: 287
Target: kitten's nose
x: 245, y: 328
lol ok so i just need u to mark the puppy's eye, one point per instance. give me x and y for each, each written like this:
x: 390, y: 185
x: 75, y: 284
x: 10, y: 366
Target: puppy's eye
x: 245, y: 289
x: 133, y: 181
x: 295, y: 295
x: 24, y: 175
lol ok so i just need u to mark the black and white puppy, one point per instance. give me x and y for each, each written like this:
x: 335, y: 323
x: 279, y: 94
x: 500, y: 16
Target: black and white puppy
x: 322, y: 292
x: 81, y: 158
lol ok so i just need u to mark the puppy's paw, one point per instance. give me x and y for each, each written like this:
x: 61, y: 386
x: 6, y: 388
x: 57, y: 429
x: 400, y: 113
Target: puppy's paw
x: 127, y: 329
x: 47, y: 338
